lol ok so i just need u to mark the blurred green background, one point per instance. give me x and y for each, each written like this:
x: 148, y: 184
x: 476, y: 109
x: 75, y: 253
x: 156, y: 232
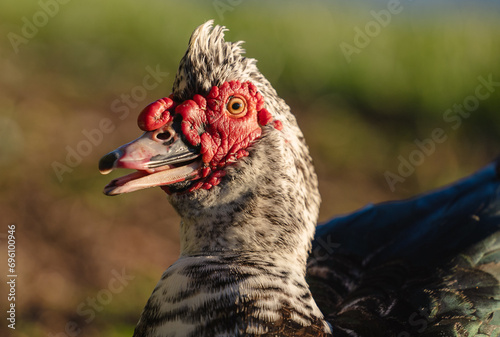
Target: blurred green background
x: 65, y: 64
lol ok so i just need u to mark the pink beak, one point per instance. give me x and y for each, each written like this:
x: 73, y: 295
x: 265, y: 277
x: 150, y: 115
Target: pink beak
x: 160, y: 156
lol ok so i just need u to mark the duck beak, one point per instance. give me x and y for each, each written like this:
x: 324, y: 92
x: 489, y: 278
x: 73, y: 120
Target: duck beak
x: 160, y: 157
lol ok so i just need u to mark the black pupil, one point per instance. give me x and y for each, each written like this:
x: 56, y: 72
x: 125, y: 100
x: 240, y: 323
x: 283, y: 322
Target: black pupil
x: 236, y: 106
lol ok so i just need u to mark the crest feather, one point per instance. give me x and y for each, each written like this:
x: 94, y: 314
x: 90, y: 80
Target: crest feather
x: 209, y: 61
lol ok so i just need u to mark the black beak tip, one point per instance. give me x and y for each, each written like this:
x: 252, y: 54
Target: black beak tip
x: 107, y: 163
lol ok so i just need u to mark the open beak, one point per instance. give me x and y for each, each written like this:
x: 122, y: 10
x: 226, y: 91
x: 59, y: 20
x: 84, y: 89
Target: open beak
x: 160, y: 158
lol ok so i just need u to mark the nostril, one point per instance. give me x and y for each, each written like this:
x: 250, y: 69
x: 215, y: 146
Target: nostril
x: 164, y: 135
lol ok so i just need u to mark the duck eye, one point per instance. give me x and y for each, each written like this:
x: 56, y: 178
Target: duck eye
x: 236, y: 106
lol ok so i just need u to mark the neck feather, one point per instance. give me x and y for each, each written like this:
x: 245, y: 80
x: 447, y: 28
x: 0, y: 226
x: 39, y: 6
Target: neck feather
x: 267, y: 202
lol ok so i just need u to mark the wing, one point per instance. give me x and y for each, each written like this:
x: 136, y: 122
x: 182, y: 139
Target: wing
x: 427, y: 266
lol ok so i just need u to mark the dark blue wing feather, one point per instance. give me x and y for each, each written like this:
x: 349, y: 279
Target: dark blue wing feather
x: 422, y: 266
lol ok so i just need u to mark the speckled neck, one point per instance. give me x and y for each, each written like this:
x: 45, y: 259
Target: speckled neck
x: 245, y: 242
x: 261, y: 205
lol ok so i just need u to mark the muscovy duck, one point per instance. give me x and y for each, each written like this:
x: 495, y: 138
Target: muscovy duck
x: 234, y: 164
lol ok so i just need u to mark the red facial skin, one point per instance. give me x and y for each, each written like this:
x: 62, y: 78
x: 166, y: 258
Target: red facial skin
x: 156, y: 114
x: 207, y: 122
